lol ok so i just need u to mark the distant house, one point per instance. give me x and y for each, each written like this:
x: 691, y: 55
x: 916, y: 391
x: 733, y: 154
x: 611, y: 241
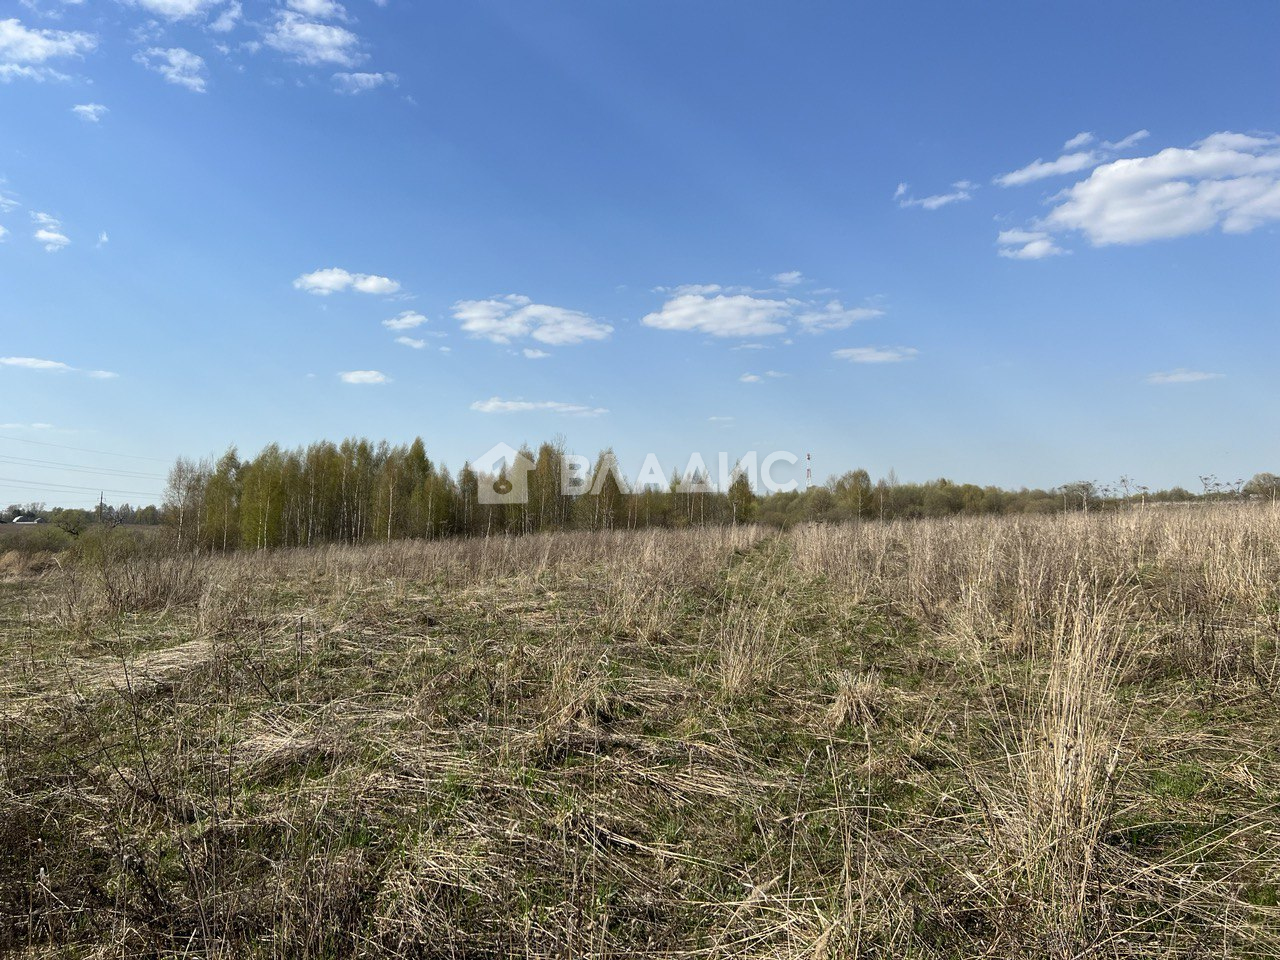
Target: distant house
x: 29, y: 519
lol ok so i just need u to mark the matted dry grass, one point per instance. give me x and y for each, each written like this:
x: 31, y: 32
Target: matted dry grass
x: 1050, y: 737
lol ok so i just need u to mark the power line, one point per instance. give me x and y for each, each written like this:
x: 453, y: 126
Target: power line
x: 80, y: 468
x: 105, y: 453
x: 65, y: 486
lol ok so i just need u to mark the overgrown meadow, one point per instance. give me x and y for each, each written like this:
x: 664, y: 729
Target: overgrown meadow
x: 998, y: 737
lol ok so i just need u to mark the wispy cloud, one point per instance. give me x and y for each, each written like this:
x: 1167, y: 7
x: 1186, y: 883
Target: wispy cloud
x: 532, y: 353
x: 876, y: 354
x: 353, y: 83
x: 789, y: 278
x: 960, y: 190
x: 48, y: 232
x: 1181, y: 375
x: 406, y: 320
x: 176, y: 64
x: 53, y: 366
x: 411, y: 342
x: 498, y: 405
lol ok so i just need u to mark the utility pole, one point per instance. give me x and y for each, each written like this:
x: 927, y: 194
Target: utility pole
x: 101, y: 507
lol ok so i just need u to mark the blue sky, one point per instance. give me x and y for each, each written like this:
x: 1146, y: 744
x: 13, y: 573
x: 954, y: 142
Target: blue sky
x: 1007, y: 243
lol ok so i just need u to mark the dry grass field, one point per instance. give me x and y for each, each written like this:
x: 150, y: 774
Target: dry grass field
x: 1051, y: 737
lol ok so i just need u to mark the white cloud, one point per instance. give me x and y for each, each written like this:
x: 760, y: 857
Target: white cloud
x: 411, y: 343
x: 21, y: 45
x: 1027, y: 245
x: 176, y: 65
x: 353, y: 83
x: 1228, y: 180
x: 26, y: 426
x: 532, y: 353
x: 720, y: 419
x: 1041, y: 169
x: 49, y: 232
x: 514, y: 316
x: 230, y: 16
x: 3, y: 232
x: 364, y: 377
x: 789, y: 278
x: 33, y: 363
x: 53, y: 366
x: 319, y: 9
x: 739, y: 315
x: 834, y: 316
x: 498, y: 405
x: 1082, y: 139
x: 960, y: 190
x: 876, y: 354
x: 177, y: 9
x: 103, y: 239
x: 314, y: 43
x: 1181, y: 376
x: 8, y: 203
x: 89, y: 112
x: 335, y: 280
x: 749, y: 378
x: 1128, y: 141
x: 406, y: 320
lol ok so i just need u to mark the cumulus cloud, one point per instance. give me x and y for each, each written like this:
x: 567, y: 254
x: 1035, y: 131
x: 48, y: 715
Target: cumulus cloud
x: 498, y: 405
x: 1229, y: 181
x: 834, y: 315
x: 176, y: 65
x: 1181, y: 375
x: 1027, y: 245
x: 513, y: 317
x: 353, y: 83
x: 876, y: 354
x: 406, y: 320
x: 336, y: 280
x: 364, y: 377
x: 177, y: 9
x: 89, y: 112
x: 739, y: 315
x: 960, y: 190
x: 410, y: 342
x: 533, y: 353
x: 749, y: 378
x: 20, y: 46
x: 312, y: 43
x: 319, y: 9
x: 226, y: 21
x: 788, y: 278
x: 49, y: 233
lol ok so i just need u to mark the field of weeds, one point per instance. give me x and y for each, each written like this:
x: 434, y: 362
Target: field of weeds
x: 1050, y: 737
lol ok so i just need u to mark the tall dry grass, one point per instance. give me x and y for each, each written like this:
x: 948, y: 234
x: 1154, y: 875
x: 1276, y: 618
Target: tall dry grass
x: 1005, y: 737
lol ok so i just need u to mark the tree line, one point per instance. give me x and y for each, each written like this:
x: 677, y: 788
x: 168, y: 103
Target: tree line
x: 358, y: 491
